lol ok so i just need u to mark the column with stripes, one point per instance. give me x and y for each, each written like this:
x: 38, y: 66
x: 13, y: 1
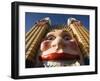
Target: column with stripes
x: 33, y: 39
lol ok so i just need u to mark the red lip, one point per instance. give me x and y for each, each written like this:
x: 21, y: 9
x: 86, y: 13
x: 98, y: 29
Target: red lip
x: 58, y: 56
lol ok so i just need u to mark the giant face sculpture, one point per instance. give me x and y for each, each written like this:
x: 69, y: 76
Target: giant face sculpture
x: 60, y: 49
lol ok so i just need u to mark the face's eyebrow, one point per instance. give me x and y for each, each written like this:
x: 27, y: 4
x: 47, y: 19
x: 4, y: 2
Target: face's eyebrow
x: 50, y: 33
x: 66, y: 33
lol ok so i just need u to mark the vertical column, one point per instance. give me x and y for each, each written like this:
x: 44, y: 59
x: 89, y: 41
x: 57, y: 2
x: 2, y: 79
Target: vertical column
x: 30, y: 35
x: 81, y: 37
x: 33, y: 39
x: 27, y: 33
x: 82, y: 31
x: 36, y: 41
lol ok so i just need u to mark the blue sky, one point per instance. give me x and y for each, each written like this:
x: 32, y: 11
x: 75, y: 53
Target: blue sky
x: 56, y: 19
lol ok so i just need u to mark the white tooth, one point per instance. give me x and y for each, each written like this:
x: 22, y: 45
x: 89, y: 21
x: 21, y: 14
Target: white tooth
x: 61, y: 63
x: 55, y: 64
x: 60, y: 51
x: 77, y: 63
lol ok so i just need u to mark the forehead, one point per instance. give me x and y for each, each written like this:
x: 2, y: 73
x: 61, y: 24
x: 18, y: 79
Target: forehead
x: 58, y: 33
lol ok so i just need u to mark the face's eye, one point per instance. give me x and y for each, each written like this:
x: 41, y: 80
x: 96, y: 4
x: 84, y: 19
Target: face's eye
x: 66, y: 37
x: 50, y: 37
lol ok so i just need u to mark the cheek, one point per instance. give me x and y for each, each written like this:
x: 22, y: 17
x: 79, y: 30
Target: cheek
x: 73, y: 45
x: 45, y: 45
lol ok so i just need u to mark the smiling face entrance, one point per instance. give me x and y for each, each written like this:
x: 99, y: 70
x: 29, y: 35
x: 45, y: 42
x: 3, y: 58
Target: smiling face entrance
x: 60, y: 49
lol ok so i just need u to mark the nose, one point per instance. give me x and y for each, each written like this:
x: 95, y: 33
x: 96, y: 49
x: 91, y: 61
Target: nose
x: 58, y: 43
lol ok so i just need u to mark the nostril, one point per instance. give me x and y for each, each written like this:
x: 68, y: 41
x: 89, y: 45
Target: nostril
x: 57, y: 47
x: 53, y: 45
x: 58, y: 43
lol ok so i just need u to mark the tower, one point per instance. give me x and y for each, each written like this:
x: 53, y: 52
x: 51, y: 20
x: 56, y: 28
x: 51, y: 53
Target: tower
x: 81, y: 35
x: 33, y: 38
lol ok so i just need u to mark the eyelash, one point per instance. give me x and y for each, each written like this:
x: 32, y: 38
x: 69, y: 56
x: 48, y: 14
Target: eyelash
x: 51, y: 37
x: 66, y: 37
